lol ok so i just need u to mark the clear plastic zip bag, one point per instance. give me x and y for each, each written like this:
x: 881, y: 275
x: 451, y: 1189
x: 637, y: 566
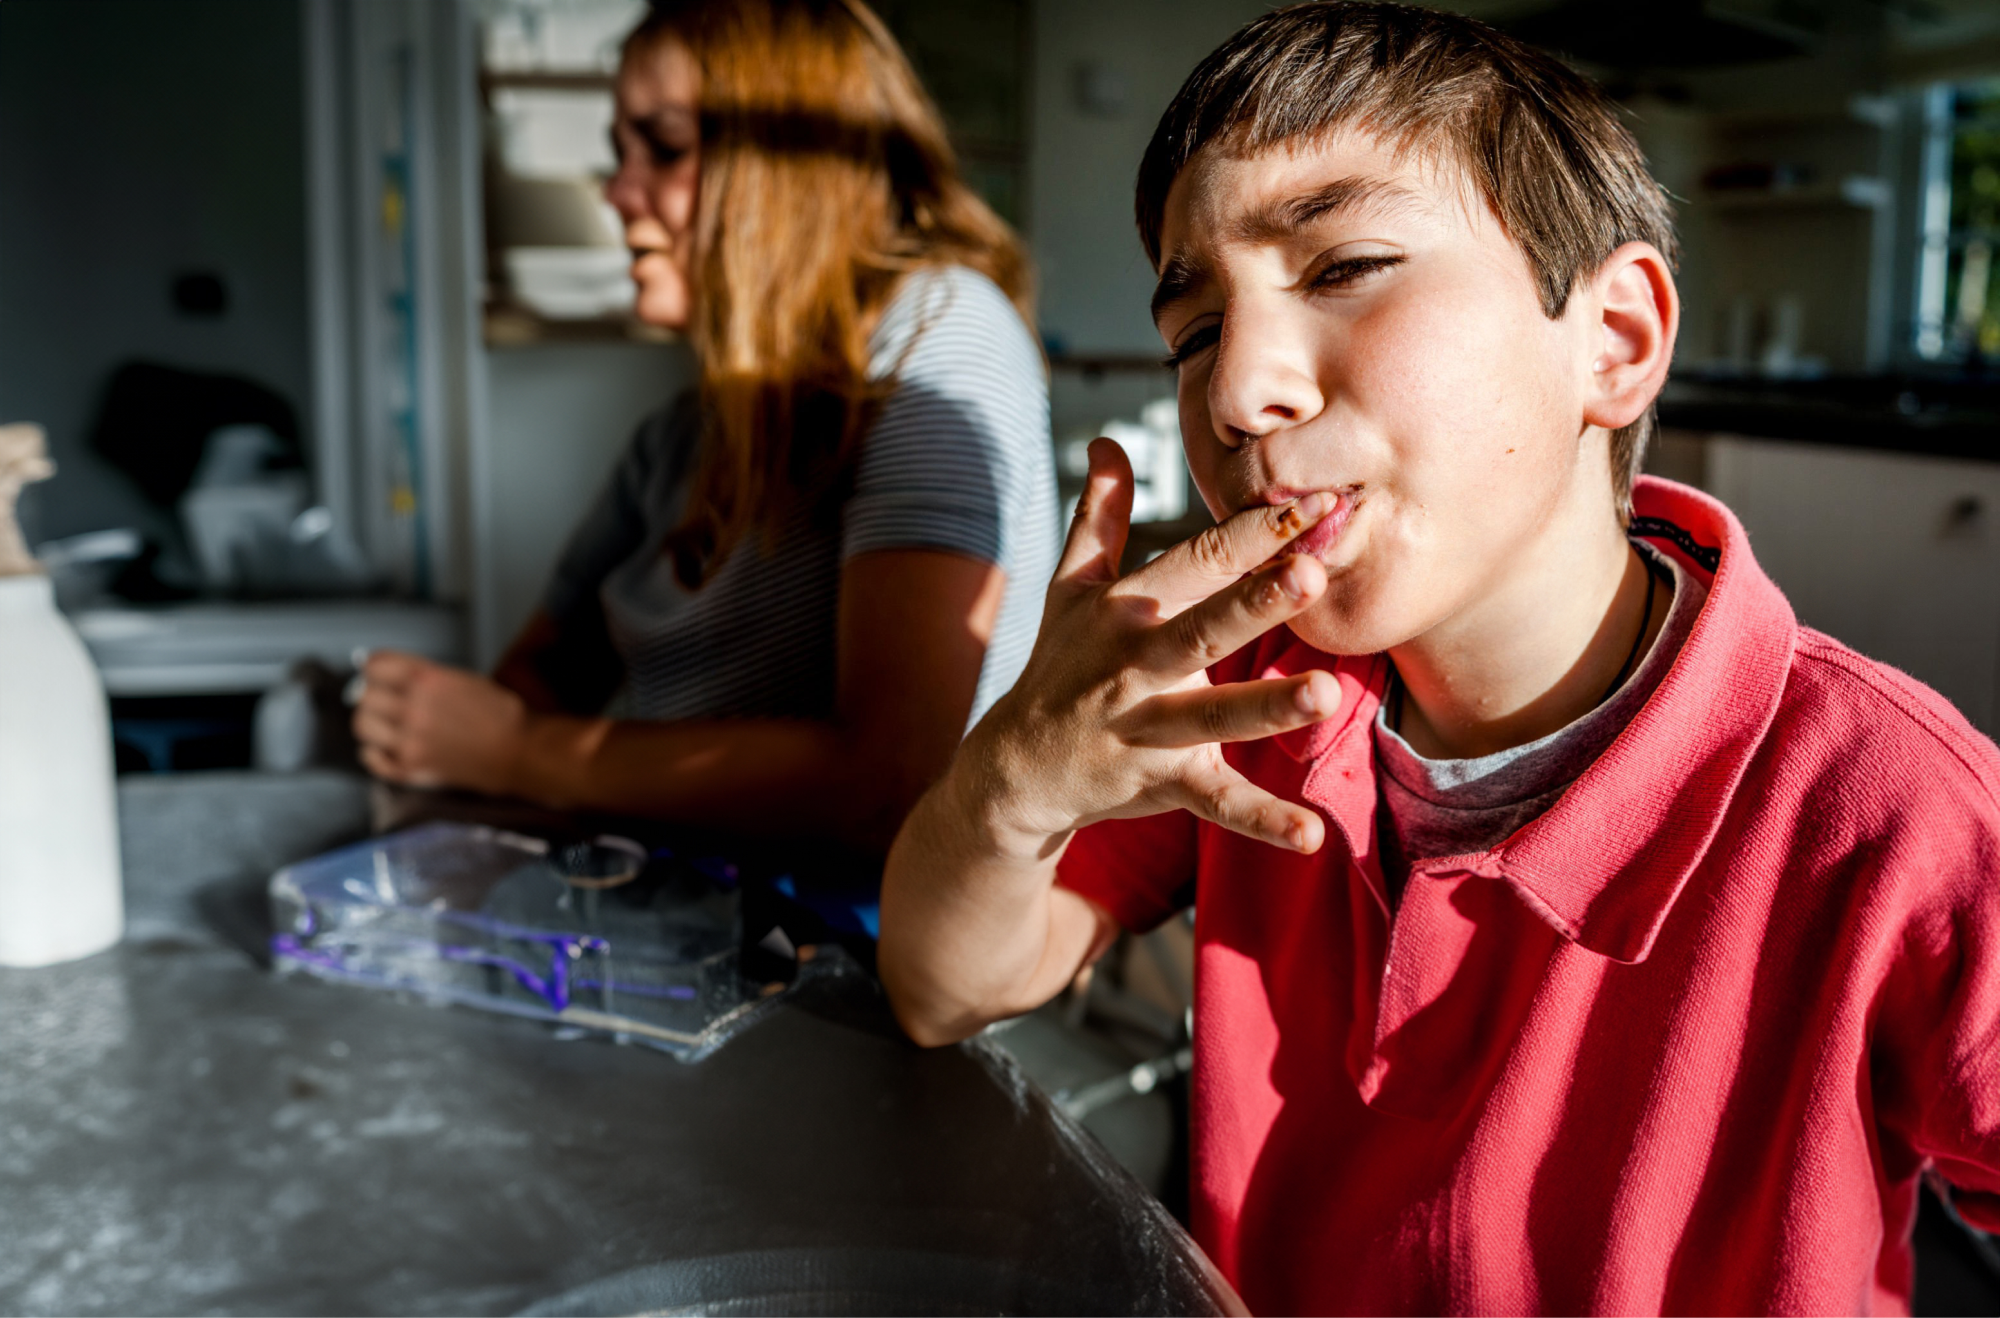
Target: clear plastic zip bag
x: 600, y: 935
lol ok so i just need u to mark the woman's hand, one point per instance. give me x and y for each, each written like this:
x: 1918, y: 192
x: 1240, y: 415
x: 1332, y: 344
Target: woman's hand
x: 426, y: 725
x: 1114, y: 716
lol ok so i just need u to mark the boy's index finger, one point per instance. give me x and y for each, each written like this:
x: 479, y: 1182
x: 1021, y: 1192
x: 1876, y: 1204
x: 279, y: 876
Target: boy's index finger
x: 1217, y: 558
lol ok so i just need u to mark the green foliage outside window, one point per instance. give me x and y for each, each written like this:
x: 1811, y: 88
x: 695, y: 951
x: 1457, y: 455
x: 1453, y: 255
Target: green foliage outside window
x: 1972, y: 275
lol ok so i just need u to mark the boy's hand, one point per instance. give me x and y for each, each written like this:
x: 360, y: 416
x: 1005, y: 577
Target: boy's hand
x: 1113, y: 716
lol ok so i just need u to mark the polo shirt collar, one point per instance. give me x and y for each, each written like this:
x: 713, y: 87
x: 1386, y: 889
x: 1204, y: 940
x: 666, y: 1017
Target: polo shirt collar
x: 1338, y: 751
x: 1605, y: 864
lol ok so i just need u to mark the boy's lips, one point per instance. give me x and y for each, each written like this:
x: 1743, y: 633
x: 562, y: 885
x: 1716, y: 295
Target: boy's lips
x: 1316, y: 539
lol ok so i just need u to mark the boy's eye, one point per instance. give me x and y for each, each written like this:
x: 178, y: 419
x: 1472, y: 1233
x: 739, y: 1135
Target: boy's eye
x: 1343, y: 273
x: 1353, y: 269
x: 1205, y: 337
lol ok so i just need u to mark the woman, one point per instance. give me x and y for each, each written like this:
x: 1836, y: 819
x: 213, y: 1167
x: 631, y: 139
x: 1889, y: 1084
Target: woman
x: 806, y: 578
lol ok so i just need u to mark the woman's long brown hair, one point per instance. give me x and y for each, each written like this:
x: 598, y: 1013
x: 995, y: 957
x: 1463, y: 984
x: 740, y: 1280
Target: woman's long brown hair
x: 826, y: 176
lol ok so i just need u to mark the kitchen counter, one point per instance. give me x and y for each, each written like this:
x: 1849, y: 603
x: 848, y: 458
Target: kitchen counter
x: 1932, y: 418
x: 180, y: 1131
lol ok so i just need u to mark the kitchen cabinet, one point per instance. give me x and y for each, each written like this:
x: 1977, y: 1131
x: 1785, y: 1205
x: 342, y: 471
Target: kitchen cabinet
x: 1896, y: 554
x: 1777, y: 197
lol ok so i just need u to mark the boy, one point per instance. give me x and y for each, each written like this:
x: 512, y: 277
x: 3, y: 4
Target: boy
x: 1576, y: 931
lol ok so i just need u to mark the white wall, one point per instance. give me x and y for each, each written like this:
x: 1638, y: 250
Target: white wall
x: 560, y: 415
x: 1095, y: 283
x: 138, y: 140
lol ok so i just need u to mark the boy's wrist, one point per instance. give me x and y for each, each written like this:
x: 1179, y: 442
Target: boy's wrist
x: 989, y: 807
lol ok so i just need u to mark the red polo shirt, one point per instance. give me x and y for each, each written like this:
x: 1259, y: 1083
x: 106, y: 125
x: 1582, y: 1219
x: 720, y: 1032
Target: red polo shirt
x: 1683, y: 1043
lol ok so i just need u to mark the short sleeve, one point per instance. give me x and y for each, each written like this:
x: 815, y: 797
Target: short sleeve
x: 1140, y: 870
x: 961, y: 444
x: 618, y: 522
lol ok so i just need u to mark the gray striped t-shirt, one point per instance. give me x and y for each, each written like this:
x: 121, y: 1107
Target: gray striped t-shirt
x: 958, y: 459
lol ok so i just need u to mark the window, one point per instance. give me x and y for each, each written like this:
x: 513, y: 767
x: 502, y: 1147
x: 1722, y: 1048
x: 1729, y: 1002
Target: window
x: 1958, y: 284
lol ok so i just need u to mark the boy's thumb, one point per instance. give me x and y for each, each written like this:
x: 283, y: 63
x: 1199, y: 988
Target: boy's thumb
x: 1103, y: 517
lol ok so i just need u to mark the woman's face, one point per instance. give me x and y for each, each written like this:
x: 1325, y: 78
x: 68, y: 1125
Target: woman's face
x: 657, y: 135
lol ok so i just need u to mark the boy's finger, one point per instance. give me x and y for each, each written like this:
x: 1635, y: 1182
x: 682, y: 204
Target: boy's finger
x: 1195, y: 569
x: 1225, y: 622
x: 1223, y: 796
x: 1103, y: 518
x: 1238, y: 711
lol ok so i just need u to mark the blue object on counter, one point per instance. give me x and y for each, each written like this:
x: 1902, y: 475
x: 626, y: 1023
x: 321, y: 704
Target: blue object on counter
x: 847, y: 913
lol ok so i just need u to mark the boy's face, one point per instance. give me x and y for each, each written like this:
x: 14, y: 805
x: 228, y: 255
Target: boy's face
x: 1346, y: 318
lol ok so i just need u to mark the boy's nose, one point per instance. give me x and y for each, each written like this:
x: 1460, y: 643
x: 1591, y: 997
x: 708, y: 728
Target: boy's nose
x: 1261, y: 384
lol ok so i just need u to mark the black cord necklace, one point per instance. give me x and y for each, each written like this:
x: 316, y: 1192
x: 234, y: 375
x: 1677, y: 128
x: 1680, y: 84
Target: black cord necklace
x: 1645, y: 621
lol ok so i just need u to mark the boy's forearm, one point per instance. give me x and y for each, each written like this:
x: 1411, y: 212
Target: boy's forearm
x: 972, y: 930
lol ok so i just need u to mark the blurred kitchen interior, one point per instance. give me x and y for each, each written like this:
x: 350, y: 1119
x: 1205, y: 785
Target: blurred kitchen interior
x: 327, y: 327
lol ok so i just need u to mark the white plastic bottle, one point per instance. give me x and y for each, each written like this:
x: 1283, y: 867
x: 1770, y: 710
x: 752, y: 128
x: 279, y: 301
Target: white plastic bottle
x: 60, y: 891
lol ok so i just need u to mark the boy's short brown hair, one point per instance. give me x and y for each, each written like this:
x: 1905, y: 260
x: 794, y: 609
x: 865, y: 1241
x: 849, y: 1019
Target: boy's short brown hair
x: 1544, y: 146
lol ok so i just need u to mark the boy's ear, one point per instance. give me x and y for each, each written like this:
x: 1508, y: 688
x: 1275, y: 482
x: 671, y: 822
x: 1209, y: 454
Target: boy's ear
x: 1638, y: 312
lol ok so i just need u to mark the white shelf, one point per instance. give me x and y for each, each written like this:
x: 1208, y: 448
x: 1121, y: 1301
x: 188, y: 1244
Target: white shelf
x: 218, y: 648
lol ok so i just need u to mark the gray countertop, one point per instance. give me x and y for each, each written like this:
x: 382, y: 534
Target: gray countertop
x: 182, y: 1132
x: 1931, y: 418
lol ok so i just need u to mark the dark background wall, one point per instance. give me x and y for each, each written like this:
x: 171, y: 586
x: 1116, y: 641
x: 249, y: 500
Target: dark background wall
x: 140, y: 140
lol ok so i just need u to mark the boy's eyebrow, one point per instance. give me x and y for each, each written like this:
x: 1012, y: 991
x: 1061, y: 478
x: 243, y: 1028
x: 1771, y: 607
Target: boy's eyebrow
x: 1179, y: 277
x: 1278, y: 220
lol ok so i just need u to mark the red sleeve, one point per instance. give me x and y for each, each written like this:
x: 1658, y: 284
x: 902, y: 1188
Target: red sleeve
x: 1940, y: 1028
x: 1141, y: 870
x: 1961, y: 1130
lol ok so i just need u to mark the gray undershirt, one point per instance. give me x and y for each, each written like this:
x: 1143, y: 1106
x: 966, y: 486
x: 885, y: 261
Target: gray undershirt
x: 1450, y: 807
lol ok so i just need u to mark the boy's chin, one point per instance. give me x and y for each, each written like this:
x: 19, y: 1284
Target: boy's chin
x: 1337, y: 627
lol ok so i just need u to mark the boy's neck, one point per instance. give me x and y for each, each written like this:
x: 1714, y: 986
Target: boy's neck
x: 1534, y: 655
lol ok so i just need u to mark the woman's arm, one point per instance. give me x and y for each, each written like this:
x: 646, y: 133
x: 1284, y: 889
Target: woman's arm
x: 520, y: 669
x: 912, y: 635
x: 561, y: 668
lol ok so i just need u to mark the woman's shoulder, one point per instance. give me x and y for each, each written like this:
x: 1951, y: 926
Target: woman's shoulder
x: 935, y: 290
x: 940, y: 315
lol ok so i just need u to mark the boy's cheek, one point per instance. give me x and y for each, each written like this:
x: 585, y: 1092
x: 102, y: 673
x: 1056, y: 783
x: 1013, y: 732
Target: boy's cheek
x: 1206, y: 459
x: 1213, y: 496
